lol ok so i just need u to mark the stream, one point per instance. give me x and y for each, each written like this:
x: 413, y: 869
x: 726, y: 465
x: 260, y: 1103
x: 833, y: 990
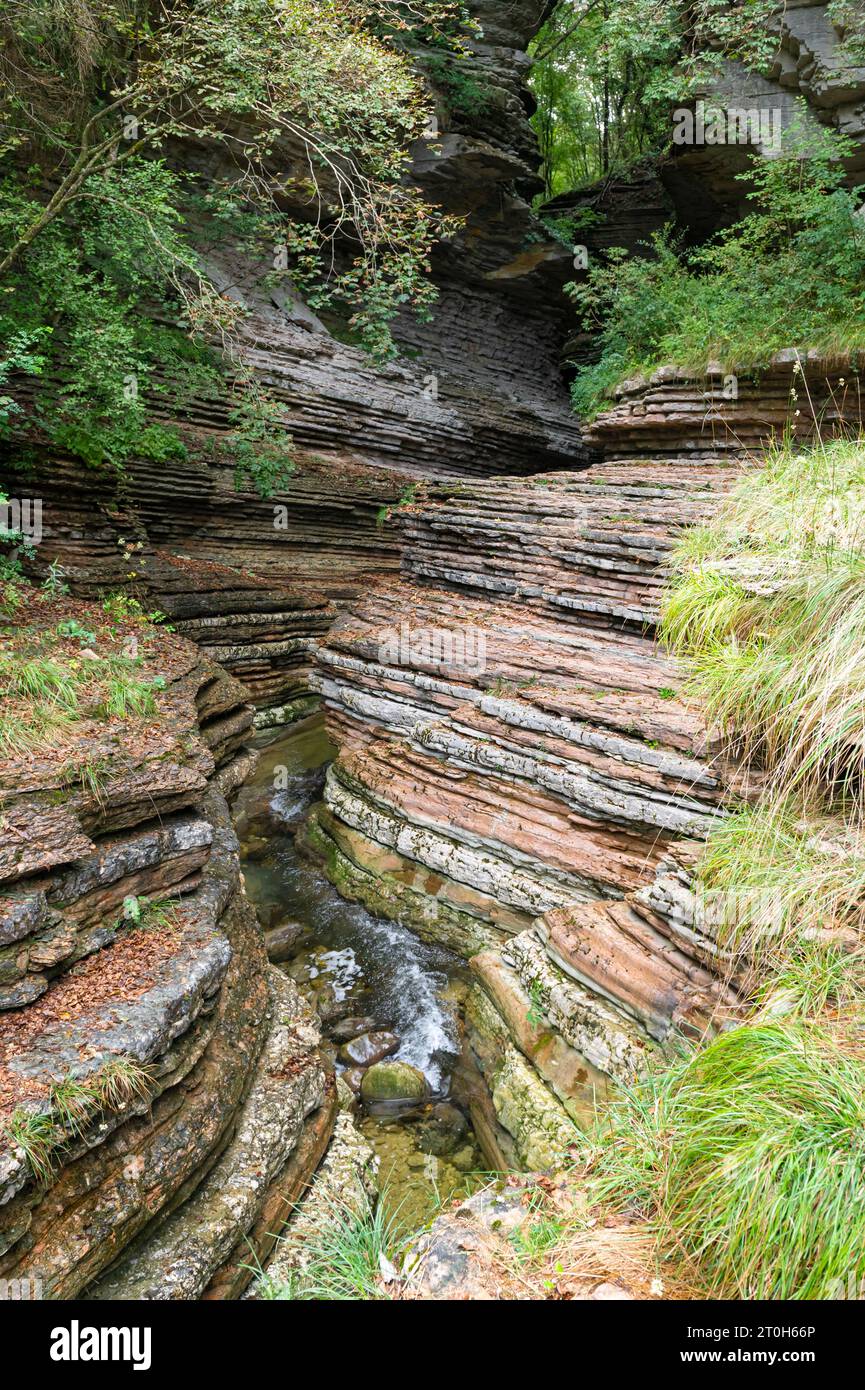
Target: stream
x: 351, y: 965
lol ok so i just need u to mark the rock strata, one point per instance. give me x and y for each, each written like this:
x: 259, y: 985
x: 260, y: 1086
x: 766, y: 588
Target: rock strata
x: 701, y: 416
x: 521, y: 773
x: 154, y: 1077
x: 812, y: 69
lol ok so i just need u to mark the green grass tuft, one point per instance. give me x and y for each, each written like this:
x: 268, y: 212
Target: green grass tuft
x: 753, y: 1152
x: 36, y: 1135
x: 127, y: 695
x: 342, y: 1260
x: 73, y: 1104
x: 119, y: 1082
x: 150, y: 912
x: 39, y: 677
x: 775, y: 884
x: 38, y: 729
x: 767, y: 607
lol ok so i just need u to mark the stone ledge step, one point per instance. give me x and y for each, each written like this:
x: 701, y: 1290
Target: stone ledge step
x: 202, y: 1246
x: 142, y: 993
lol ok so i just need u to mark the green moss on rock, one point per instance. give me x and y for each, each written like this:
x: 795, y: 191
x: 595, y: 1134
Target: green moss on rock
x: 382, y: 894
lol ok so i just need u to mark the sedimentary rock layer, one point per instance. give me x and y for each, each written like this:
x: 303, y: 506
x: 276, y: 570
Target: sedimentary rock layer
x: 253, y: 582
x: 576, y: 548
x: 513, y: 796
x: 522, y: 773
x: 681, y: 412
x: 142, y: 1045
x: 210, y: 1239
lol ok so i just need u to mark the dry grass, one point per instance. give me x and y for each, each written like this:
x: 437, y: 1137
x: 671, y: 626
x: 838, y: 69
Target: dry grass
x: 767, y: 608
x: 747, y: 1154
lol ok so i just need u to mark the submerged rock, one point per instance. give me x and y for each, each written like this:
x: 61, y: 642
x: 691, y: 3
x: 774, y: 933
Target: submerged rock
x: 442, y: 1131
x: 415, y: 1185
x: 268, y: 914
x: 332, y: 1010
x: 368, y: 1048
x: 393, y: 1081
x: 254, y: 849
x: 280, y: 942
x: 345, y: 1029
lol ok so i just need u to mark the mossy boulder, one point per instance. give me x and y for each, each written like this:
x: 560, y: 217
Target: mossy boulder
x: 393, y: 1081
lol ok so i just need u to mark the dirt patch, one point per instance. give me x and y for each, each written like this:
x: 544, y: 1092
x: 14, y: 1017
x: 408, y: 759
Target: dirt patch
x: 537, y: 1238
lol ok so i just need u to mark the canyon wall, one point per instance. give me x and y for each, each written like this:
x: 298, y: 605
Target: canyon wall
x: 162, y: 1092
x: 521, y: 776
x: 476, y: 391
x: 164, y: 1102
x: 814, y: 77
x: 521, y: 773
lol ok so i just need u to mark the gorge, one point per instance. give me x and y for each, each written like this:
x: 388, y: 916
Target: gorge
x: 353, y: 822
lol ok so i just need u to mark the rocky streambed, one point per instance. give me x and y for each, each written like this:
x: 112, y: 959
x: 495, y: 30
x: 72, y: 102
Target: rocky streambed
x: 391, y: 1006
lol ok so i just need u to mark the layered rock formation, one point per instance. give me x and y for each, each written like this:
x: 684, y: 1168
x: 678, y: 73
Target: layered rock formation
x: 521, y: 774
x: 624, y: 209
x: 676, y: 411
x: 163, y: 1100
x: 562, y: 773
x: 815, y: 70
x: 253, y: 581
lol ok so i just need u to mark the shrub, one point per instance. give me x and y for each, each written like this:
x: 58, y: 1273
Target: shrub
x: 790, y: 274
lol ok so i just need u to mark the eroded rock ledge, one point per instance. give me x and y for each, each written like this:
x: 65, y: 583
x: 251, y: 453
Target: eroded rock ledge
x: 219, y: 1109
x: 520, y: 772
x: 732, y: 415
x: 253, y: 582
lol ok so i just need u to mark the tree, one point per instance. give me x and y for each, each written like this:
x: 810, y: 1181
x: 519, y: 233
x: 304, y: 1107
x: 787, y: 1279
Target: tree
x: 606, y: 75
x: 312, y: 103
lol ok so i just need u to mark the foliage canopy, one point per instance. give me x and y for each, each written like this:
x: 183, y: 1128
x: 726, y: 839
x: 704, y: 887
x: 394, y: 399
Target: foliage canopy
x: 789, y: 274
x: 306, y: 108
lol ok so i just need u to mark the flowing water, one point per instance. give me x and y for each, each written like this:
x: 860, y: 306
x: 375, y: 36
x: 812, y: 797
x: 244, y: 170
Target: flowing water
x: 350, y: 963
